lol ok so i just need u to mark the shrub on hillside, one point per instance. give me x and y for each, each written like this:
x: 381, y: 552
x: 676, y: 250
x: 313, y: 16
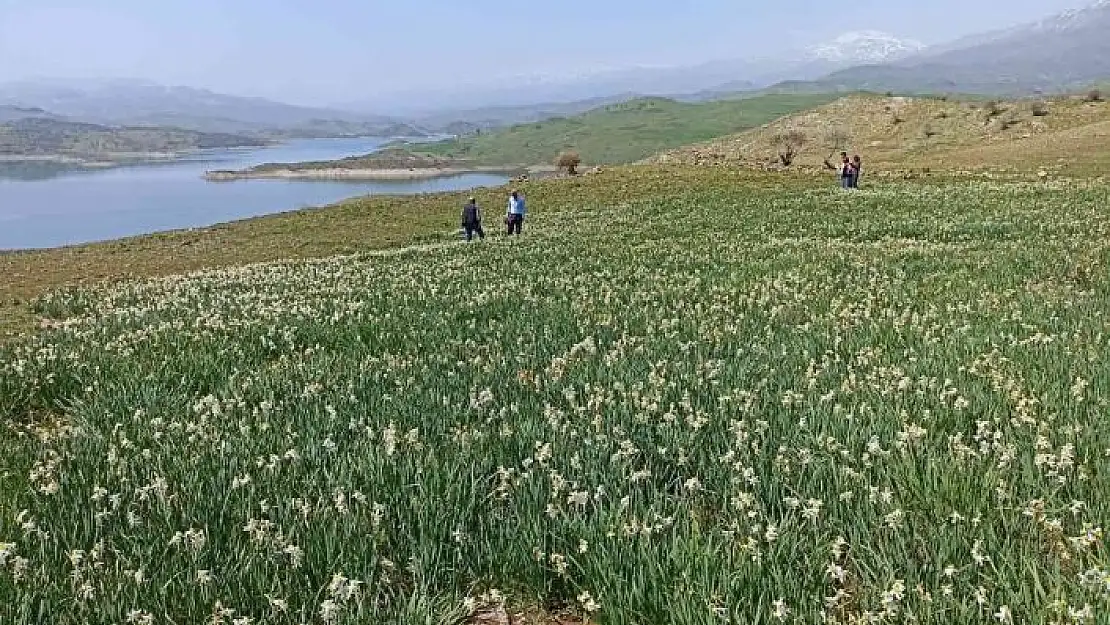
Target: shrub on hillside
x: 1095, y: 95
x: 568, y: 161
x: 789, y: 144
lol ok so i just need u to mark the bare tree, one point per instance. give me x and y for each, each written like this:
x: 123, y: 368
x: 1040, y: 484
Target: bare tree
x: 1094, y: 95
x: 836, y: 140
x: 789, y: 144
x: 568, y: 161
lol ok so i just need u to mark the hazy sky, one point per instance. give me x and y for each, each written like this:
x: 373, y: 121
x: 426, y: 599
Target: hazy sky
x: 322, y: 51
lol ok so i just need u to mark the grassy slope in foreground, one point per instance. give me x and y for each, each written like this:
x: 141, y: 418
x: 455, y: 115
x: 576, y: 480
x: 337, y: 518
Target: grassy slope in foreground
x: 357, y: 225
x: 727, y: 397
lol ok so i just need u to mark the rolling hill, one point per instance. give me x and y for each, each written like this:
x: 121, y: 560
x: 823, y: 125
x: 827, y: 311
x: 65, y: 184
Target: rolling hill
x: 898, y: 133
x: 45, y: 137
x: 619, y: 133
x: 9, y: 113
x: 461, y: 122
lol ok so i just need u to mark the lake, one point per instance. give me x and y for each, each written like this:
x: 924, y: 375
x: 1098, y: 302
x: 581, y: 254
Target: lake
x: 46, y: 205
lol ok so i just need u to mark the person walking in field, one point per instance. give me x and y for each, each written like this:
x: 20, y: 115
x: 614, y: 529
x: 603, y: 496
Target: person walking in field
x: 514, y: 218
x: 857, y: 168
x: 472, y: 220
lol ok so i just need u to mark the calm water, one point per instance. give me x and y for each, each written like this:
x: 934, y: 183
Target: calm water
x: 45, y: 205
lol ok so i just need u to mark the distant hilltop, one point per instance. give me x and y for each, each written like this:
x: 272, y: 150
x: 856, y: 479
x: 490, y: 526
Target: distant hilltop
x: 46, y: 137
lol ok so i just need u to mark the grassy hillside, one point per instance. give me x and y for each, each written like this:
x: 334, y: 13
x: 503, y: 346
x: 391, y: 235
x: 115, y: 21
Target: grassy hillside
x: 51, y: 137
x: 742, y: 400
x: 1061, y: 134
x: 450, y: 122
x: 621, y: 133
x: 390, y: 158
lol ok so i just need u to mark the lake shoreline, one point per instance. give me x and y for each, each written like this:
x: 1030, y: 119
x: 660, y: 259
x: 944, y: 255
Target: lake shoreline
x: 126, y: 159
x: 49, y: 204
x: 117, y: 159
x: 370, y: 175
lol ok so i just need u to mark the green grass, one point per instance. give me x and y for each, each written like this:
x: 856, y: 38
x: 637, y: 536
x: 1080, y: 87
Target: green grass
x: 354, y: 226
x: 681, y: 406
x: 622, y: 133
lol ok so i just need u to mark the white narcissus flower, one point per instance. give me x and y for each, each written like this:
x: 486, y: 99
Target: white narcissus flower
x: 780, y: 610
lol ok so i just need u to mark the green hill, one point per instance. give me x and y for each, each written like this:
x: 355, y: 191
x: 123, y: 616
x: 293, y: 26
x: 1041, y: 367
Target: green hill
x: 622, y: 133
x: 45, y: 137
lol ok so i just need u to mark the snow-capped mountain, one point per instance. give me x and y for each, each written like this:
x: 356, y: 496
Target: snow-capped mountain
x: 1072, y: 18
x: 1064, y: 51
x: 863, y: 47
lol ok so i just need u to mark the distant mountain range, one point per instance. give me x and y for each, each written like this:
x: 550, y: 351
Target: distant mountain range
x: 139, y: 103
x: 1062, y: 52
x: 10, y: 113
x: 1058, y: 53
x: 701, y: 81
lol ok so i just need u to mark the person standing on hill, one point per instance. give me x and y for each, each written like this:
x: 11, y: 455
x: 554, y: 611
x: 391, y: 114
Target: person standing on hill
x: 857, y: 168
x: 845, y: 171
x: 514, y: 219
x: 472, y: 220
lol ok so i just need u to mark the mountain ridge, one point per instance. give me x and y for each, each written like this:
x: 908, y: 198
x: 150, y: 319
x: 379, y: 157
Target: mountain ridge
x: 137, y: 102
x: 1055, y: 54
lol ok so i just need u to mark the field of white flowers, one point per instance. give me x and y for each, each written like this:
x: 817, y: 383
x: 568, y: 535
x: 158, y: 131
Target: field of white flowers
x: 742, y: 406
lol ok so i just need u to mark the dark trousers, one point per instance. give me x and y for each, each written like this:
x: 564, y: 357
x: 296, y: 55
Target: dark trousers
x: 474, y: 229
x: 514, y: 223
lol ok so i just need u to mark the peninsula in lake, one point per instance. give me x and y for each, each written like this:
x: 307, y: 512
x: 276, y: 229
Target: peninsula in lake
x: 393, y: 163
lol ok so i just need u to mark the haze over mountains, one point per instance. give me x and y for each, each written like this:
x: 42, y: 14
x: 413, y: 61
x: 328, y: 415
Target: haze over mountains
x: 1060, y: 52
x: 142, y: 103
x: 698, y: 81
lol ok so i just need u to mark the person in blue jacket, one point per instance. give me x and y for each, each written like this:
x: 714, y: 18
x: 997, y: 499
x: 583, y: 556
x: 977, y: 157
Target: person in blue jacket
x: 514, y: 219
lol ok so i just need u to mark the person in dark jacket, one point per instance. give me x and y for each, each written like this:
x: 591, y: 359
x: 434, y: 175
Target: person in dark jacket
x: 845, y: 171
x: 857, y: 168
x: 472, y: 220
